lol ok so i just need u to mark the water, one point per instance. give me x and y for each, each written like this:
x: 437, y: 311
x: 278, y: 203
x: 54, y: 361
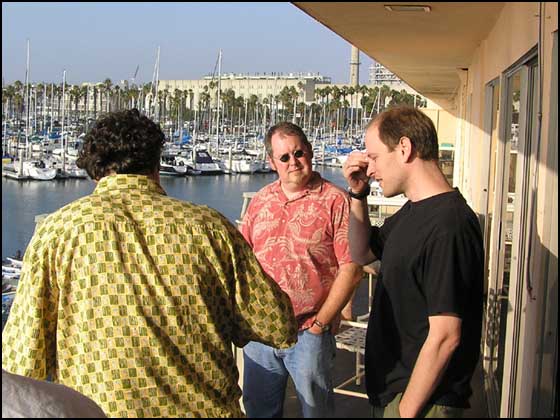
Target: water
x: 23, y: 200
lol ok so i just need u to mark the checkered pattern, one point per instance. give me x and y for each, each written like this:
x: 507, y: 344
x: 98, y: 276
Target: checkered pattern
x: 133, y: 298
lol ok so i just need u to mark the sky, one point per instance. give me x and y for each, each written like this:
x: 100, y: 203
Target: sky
x: 96, y: 41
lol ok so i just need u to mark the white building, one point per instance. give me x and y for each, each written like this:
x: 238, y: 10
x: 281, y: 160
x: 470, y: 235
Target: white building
x: 263, y: 85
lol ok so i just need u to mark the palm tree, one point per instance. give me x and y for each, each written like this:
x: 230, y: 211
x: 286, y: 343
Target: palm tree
x: 147, y: 96
x: 363, y: 90
x: 300, y: 86
x: 384, y: 93
x: 228, y: 100
x: 285, y: 99
x: 17, y: 104
x: 351, y: 92
x: 191, y: 98
x: 8, y: 94
x: 266, y: 105
x: 40, y: 91
x: 95, y: 92
x: 177, y: 108
x: 369, y: 100
x: 134, y: 93
x: 75, y: 94
x: 116, y: 91
x: 58, y: 96
x: 106, y: 88
x: 84, y: 94
x: 163, y: 104
x: 18, y: 99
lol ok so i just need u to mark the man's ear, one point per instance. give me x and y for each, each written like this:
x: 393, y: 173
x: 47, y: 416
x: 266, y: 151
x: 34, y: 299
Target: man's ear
x: 406, y: 149
x: 272, y: 164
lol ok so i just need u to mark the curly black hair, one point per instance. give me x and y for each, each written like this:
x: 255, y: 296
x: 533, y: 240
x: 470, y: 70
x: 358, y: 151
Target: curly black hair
x: 123, y: 142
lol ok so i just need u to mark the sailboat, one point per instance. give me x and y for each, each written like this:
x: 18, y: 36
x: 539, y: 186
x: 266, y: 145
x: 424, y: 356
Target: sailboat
x: 22, y: 169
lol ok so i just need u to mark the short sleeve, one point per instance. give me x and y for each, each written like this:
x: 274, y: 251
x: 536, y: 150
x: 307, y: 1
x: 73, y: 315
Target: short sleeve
x: 29, y: 337
x: 340, y: 221
x: 451, y: 266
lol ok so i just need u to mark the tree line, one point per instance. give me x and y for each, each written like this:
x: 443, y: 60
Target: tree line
x: 341, y: 108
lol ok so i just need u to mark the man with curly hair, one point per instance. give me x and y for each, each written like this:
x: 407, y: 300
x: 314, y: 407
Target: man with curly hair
x: 134, y: 298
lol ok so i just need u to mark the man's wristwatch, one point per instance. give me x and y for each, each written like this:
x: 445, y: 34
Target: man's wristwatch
x: 323, y: 327
x: 361, y: 195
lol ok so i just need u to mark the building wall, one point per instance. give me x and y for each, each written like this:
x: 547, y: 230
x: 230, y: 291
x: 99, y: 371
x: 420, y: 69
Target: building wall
x: 263, y: 86
x: 516, y: 33
x: 445, y: 123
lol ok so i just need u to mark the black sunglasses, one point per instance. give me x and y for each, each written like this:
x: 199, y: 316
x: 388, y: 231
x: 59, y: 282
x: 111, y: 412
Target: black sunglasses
x: 286, y: 156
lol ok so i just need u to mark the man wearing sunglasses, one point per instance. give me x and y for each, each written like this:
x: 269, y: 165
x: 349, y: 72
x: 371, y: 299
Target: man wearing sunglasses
x: 298, y: 228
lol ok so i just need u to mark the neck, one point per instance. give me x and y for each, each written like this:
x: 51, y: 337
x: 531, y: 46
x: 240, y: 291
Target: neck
x: 425, y: 181
x: 291, y: 192
x: 154, y: 176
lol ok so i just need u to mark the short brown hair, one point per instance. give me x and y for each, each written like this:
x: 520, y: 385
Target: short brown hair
x: 405, y: 121
x: 288, y: 129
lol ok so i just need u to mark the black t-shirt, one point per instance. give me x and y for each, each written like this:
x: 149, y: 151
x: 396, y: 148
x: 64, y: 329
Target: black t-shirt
x: 432, y: 262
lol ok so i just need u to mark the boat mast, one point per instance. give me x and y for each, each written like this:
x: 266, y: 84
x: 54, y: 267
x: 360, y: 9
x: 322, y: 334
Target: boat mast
x: 157, y: 85
x: 44, y: 113
x: 155, y: 79
x: 27, y: 102
x: 5, y: 121
x: 218, y: 113
x: 244, y: 121
x: 62, y: 127
x: 51, y: 125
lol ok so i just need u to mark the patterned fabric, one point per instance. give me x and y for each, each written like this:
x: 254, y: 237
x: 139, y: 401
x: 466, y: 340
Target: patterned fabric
x: 133, y: 299
x: 300, y: 242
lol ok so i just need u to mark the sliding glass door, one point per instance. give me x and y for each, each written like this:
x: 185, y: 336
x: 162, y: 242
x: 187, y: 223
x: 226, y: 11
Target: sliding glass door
x: 505, y: 234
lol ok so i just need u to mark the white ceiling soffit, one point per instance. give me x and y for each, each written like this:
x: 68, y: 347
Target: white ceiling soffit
x: 424, y: 45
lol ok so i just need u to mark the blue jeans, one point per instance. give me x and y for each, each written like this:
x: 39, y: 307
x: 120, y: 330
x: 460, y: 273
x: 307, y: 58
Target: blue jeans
x: 309, y: 363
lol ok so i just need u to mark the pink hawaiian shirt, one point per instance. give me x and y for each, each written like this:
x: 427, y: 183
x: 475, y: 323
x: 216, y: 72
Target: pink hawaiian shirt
x: 302, y: 242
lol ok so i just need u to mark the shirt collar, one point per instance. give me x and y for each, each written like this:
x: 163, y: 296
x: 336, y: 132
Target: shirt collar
x: 118, y: 182
x: 314, y: 186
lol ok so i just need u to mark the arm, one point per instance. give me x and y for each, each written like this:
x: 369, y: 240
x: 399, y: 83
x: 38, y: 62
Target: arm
x: 261, y: 310
x: 348, y: 278
x: 443, y: 338
x: 29, y: 337
x: 359, y: 227
x: 246, y: 225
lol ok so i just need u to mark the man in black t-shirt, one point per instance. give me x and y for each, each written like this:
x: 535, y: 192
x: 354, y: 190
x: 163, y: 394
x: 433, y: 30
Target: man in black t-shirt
x: 423, y: 338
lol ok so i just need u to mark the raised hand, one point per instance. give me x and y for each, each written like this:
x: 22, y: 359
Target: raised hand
x: 355, y: 171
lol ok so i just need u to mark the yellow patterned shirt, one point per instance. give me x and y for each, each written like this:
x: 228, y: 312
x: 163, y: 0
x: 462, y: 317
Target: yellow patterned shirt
x: 133, y: 298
